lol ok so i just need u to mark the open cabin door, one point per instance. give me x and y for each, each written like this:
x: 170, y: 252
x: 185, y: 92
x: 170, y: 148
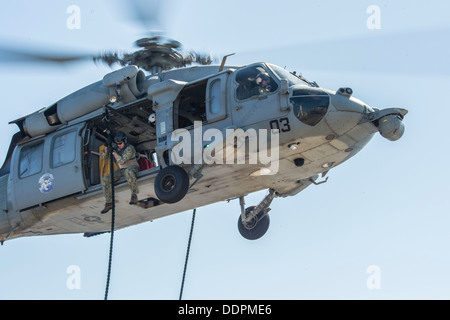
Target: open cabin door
x: 47, y: 168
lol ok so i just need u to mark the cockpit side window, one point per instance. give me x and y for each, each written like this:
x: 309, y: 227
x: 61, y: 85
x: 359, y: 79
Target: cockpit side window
x: 254, y: 81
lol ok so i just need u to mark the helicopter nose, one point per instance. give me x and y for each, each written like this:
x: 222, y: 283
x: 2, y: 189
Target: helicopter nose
x: 343, y: 100
x: 357, y: 121
x: 345, y: 111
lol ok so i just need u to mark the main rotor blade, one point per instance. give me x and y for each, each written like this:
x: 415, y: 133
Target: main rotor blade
x: 12, y: 55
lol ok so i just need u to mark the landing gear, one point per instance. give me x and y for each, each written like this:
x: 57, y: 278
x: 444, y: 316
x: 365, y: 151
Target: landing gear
x: 256, y: 227
x: 171, y: 184
x: 254, y: 221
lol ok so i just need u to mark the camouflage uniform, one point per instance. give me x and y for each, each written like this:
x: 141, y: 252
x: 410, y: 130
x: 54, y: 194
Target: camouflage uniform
x: 128, y: 168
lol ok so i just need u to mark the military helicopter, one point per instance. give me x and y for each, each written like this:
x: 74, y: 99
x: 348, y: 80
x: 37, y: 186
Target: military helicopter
x: 201, y: 132
x: 204, y: 132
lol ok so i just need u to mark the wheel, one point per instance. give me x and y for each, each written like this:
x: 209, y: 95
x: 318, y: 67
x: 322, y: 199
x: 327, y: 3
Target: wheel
x: 256, y: 228
x: 171, y: 184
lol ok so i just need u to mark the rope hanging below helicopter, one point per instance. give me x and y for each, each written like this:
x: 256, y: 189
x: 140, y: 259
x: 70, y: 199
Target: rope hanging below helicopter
x: 106, y: 120
x: 187, y: 254
x: 113, y: 213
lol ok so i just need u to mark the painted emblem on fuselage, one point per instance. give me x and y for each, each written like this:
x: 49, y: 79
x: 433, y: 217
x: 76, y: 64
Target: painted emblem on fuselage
x: 46, y: 183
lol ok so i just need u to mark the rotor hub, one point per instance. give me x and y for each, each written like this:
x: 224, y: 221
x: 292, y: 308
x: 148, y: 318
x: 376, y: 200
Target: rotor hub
x: 157, y: 54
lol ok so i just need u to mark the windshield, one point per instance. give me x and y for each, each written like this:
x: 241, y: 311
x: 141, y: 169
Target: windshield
x: 284, y: 74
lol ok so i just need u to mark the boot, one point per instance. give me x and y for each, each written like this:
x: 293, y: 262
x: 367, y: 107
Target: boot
x: 134, y: 199
x: 108, y: 206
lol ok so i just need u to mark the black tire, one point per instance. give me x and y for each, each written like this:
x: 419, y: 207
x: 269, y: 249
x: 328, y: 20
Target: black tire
x: 256, y: 229
x: 171, y: 184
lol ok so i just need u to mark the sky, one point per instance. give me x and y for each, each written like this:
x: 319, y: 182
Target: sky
x: 378, y: 229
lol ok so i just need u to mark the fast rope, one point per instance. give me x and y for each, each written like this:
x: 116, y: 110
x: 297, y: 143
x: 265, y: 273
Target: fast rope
x: 111, y: 241
x: 187, y: 253
x: 113, y: 213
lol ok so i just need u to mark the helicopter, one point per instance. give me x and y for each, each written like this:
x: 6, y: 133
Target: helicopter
x: 203, y: 133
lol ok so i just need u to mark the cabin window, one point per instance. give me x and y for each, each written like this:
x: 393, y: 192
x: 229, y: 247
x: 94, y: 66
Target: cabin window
x: 215, y: 96
x: 30, y: 161
x: 254, y: 81
x: 63, y: 149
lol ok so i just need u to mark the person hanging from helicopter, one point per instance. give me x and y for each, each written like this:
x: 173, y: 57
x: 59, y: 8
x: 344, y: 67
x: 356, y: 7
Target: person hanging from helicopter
x: 125, y: 156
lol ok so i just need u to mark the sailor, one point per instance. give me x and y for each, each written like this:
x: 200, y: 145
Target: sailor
x: 125, y: 157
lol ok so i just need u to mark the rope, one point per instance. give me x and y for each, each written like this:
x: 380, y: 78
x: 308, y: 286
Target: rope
x: 187, y: 254
x: 113, y: 214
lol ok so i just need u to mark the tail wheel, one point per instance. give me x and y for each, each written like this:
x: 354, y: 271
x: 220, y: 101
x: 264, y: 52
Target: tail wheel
x: 171, y: 184
x: 255, y: 228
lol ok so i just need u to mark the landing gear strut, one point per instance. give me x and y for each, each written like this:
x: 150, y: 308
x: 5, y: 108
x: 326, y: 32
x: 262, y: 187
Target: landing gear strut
x: 254, y: 221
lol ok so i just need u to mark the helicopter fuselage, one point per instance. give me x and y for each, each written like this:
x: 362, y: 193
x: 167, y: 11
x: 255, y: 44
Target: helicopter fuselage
x: 292, y: 129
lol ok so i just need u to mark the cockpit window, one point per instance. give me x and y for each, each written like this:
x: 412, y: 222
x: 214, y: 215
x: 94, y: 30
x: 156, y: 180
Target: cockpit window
x: 310, y: 106
x: 292, y: 79
x: 254, y: 81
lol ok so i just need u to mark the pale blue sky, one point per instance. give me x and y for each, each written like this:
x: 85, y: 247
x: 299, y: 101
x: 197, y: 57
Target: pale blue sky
x: 388, y: 206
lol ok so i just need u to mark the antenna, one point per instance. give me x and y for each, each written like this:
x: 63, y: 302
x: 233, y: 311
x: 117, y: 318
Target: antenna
x: 224, y: 59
